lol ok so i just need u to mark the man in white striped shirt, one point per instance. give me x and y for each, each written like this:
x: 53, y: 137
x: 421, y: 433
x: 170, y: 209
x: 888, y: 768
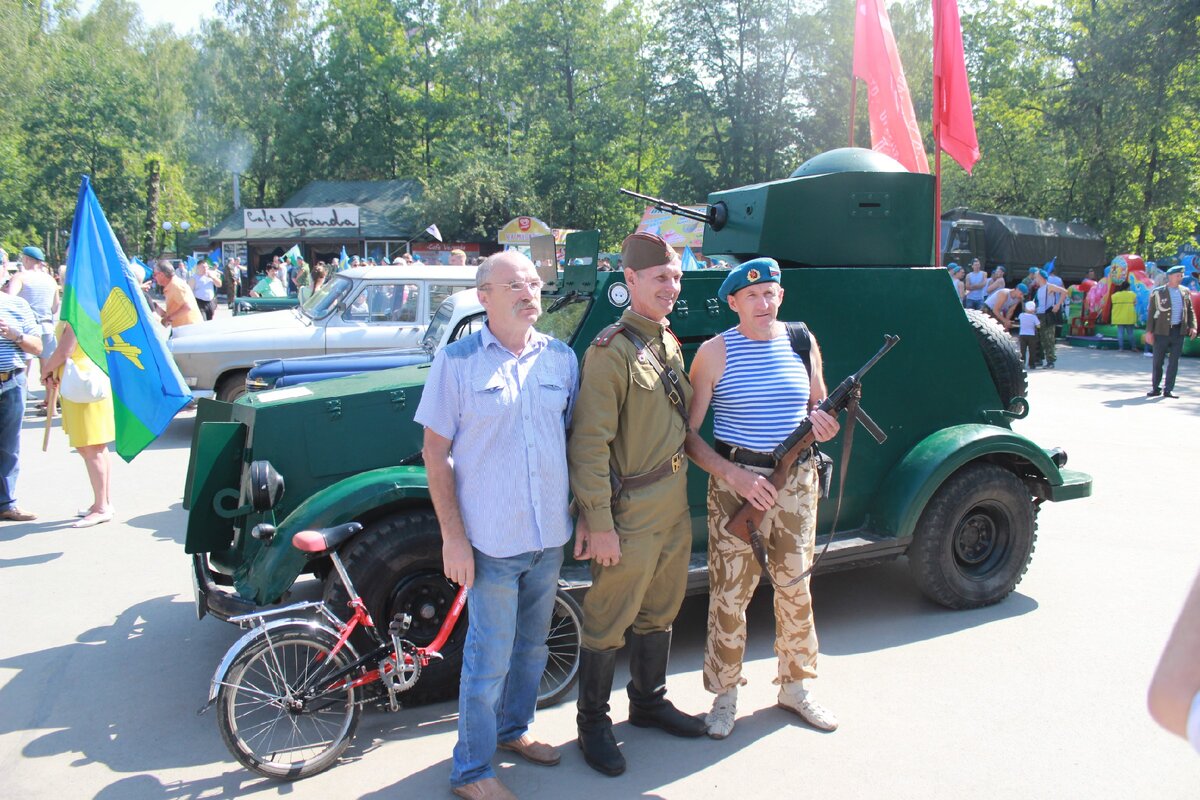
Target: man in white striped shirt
x: 760, y: 389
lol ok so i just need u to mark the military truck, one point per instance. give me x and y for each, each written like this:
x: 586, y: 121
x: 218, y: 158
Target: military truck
x: 953, y: 487
x: 1020, y: 243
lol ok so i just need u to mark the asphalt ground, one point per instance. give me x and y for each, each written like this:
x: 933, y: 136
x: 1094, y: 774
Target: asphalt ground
x: 103, y: 663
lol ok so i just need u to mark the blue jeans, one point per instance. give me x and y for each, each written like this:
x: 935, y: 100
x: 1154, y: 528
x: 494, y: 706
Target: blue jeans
x: 12, y: 413
x: 509, y: 608
x: 1125, y: 332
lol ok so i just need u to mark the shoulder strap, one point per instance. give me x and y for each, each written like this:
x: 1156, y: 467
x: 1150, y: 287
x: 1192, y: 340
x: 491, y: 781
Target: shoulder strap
x: 671, y: 383
x: 605, y: 337
x: 801, y: 341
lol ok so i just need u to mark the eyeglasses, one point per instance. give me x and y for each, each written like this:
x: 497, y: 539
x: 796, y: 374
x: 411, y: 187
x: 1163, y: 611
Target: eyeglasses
x: 517, y: 286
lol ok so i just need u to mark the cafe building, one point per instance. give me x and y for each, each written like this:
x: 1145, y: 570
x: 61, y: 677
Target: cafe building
x: 367, y: 218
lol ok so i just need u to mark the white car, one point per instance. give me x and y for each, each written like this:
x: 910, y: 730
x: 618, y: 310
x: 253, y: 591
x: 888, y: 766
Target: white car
x: 360, y: 309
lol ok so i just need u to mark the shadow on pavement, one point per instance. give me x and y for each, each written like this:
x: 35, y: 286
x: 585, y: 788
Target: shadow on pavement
x: 169, y: 525
x: 876, y: 608
x: 165, y: 660
x: 29, y: 560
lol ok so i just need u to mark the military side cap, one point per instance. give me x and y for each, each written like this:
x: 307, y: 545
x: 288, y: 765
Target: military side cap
x: 34, y: 252
x: 757, y: 270
x: 643, y: 250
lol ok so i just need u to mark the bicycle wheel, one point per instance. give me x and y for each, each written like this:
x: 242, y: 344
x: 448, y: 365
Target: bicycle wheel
x: 564, y: 642
x: 268, y: 724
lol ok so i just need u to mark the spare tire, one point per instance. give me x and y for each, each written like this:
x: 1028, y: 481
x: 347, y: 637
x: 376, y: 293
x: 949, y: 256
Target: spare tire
x: 1003, y: 361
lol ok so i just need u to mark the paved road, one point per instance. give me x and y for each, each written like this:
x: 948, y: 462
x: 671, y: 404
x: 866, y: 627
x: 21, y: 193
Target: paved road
x: 103, y: 665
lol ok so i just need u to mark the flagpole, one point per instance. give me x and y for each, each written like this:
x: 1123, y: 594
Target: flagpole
x: 937, y: 142
x: 853, y: 103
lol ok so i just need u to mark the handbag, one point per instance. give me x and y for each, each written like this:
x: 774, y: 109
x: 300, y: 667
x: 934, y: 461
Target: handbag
x: 83, y: 386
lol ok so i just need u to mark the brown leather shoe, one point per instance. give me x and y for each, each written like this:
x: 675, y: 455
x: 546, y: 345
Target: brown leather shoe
x: 533, y: 751
x: 15, y: 514
x: 486, y: 789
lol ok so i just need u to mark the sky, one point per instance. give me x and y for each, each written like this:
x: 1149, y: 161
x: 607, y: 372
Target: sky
x: 184, y: 15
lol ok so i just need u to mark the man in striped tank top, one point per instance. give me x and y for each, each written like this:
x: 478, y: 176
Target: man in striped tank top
x: 760, y: 390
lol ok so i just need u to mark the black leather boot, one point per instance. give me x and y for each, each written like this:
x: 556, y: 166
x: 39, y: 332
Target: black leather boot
x: 596, y: 738
x: 648, y: 705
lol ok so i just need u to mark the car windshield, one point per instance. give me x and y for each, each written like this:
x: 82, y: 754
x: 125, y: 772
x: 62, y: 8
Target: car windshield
x: 327, y: 297
x: 562, y: 316
x: 433, y: 334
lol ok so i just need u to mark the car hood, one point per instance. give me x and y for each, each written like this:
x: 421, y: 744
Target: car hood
x: 234, y: 326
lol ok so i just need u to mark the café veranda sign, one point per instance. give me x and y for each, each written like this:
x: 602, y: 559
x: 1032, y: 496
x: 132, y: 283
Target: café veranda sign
x: 330, y: 217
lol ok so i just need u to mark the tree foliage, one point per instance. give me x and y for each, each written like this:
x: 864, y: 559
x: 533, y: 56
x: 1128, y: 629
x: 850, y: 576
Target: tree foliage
x: 1084, y: 109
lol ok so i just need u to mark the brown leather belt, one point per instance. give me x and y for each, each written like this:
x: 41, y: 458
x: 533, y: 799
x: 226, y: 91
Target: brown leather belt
x: 628, y: 484
x: 5, y: 377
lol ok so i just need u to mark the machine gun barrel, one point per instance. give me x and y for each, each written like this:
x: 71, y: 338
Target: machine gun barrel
x: 715, y: 216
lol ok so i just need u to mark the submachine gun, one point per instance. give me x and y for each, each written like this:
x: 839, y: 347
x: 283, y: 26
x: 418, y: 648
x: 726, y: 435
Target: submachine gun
x: 846, y: 397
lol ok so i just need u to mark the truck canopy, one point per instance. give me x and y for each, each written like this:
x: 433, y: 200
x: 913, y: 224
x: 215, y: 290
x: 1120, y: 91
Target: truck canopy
x: 1023, y: 242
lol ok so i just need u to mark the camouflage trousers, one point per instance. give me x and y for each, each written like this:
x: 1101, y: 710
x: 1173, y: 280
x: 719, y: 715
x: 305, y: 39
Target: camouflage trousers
x: 789, y: 531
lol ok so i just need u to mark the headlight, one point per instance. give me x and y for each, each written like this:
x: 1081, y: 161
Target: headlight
x: 266, y: 486
x: 1058, y: 456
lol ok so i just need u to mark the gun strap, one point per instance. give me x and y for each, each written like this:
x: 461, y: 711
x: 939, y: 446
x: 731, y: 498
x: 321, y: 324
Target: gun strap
x: 671, y: 382
x: 847, y: 441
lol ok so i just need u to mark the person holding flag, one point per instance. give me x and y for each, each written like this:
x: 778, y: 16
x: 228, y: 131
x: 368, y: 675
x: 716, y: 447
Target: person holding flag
x: 112, y: 336
x: 111, y: 322
x: 89, y: 426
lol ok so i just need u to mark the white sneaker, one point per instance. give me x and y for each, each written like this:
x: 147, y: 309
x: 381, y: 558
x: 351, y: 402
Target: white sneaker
x: 720, y: 719
x: 794, y: 697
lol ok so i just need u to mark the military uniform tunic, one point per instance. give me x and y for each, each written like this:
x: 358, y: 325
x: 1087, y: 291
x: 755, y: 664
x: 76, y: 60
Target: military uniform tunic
x: 624, y: 422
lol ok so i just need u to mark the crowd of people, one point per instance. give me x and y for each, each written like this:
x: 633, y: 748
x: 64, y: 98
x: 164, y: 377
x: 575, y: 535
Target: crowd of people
x: 1035, y: 308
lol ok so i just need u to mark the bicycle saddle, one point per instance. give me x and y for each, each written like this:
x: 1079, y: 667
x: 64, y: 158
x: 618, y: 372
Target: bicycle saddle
x: 324, y: 539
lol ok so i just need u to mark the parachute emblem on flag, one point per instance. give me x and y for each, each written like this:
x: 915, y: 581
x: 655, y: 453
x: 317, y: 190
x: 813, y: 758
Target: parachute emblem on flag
x: 117, y: 316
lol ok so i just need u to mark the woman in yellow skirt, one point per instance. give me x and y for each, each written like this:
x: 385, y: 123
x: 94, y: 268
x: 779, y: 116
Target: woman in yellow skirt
x: 89, y: 427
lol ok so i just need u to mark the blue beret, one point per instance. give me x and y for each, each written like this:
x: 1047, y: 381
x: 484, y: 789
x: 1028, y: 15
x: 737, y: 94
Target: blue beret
x: 1034, y: 272
x: 34, y: 252
x: 757, y: 270
x: 1175, y: 270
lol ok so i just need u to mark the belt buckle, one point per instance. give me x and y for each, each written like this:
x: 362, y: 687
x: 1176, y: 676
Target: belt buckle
x: 676, y: 462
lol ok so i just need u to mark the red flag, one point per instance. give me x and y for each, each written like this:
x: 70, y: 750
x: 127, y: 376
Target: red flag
x: 894, y: 130
x: 953, y: 119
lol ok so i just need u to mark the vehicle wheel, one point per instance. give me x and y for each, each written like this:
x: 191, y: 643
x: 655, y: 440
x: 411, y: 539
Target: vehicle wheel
x: 233, y: 386
x: 396, y: 564
x: 1003, y: 360
x: 565, y: 642
x: 975, y: 538
x: 271, y: 729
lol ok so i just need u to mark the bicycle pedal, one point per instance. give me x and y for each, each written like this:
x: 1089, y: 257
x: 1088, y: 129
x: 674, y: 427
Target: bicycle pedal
x: 400, y: 624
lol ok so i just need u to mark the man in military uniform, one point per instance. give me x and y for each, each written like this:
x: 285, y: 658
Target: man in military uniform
x: 761, y: 388
x: 1171, y: 317
x: 629, y: 475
